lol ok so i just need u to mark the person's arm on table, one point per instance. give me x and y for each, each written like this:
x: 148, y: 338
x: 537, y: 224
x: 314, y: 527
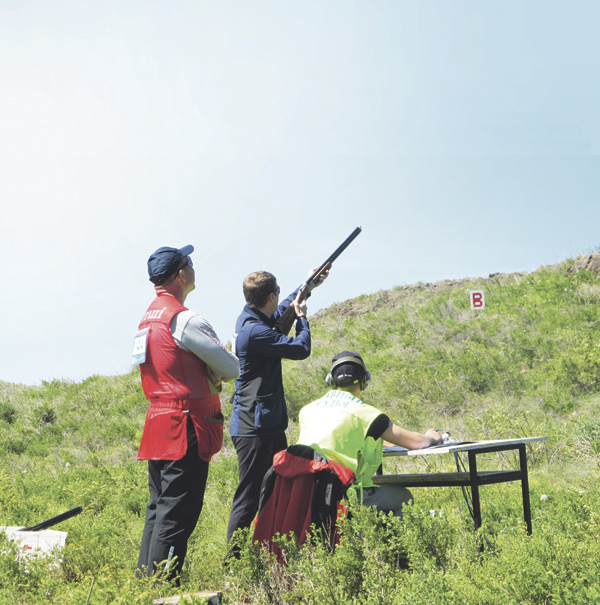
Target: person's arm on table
x: 411, y: 440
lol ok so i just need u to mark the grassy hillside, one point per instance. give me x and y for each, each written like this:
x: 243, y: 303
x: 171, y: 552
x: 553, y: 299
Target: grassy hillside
x: 527, y: 365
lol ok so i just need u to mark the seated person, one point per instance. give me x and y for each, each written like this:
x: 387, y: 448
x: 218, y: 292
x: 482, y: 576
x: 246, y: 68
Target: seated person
x: 344, y: 429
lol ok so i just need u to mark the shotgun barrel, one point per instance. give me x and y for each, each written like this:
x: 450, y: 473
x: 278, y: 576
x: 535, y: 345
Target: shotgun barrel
x: 54, y: 520
x: 286, y: 321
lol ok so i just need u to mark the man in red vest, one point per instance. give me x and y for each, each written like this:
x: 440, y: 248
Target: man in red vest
x: 182, y: 364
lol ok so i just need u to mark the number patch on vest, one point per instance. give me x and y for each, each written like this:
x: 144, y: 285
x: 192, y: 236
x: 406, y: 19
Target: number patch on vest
x: 140, y: 343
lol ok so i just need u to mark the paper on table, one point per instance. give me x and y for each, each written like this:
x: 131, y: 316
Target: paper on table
x: 399, y: 448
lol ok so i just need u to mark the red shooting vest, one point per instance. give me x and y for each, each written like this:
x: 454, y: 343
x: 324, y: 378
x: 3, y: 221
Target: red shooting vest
x: 176, y: 385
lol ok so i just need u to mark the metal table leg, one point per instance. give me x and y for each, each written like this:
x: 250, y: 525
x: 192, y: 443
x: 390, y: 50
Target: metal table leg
x: 474, y: 488
x: 525, y: 488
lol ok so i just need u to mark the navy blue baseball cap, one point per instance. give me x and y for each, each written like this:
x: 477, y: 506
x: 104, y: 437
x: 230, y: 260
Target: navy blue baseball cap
x: 165, y: 261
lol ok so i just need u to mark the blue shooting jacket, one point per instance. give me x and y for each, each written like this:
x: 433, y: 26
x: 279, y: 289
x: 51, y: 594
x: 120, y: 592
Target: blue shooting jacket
x: 259, y: 407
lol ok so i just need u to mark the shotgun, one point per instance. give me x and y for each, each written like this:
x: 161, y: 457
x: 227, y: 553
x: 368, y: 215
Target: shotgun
x: 286, y: 321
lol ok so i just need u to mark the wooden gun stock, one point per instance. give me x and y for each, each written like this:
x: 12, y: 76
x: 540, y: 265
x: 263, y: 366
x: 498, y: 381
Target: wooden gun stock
x: 286, y: 321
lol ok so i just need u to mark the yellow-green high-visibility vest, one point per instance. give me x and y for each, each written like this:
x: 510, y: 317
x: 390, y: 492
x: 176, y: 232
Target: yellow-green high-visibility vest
x: 336, y: 426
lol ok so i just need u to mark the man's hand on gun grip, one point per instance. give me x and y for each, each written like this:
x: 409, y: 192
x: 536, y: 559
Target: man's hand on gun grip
x: 299, y: 307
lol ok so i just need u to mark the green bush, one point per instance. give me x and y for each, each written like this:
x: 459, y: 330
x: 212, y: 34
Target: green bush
x: 8, y: 412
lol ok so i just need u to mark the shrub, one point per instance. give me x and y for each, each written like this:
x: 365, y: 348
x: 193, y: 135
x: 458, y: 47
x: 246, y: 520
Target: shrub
x: 8, y: 412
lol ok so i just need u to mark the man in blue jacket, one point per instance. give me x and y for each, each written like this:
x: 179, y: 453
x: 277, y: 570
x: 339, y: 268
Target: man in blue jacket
x: 259, y: 417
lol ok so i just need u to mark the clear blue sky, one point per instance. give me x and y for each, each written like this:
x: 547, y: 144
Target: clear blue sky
x: 463, y: 136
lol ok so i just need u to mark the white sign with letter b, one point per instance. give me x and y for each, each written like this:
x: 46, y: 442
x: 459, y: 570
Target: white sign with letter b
x: 477, y: 299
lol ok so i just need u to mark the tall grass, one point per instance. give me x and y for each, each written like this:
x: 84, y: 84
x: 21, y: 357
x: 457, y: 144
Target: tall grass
x: 527, y: 365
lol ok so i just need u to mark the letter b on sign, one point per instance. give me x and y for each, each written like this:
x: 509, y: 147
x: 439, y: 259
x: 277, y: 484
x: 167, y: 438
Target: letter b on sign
x: 477, y: 299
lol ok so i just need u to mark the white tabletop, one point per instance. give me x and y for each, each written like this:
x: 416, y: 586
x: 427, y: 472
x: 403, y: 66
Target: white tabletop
x: 459, y: 447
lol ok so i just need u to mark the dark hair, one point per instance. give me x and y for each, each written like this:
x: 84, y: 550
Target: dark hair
x: 258, y: 286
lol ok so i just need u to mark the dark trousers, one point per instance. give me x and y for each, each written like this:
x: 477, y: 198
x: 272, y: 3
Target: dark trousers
x: 255, y: 458
x: 176, y: 498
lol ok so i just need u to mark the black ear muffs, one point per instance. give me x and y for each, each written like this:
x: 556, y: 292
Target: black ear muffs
x: 366, y: 377
x: 364, y: 383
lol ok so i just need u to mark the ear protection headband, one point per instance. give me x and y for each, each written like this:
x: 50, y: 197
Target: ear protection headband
x: 364, y: 381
